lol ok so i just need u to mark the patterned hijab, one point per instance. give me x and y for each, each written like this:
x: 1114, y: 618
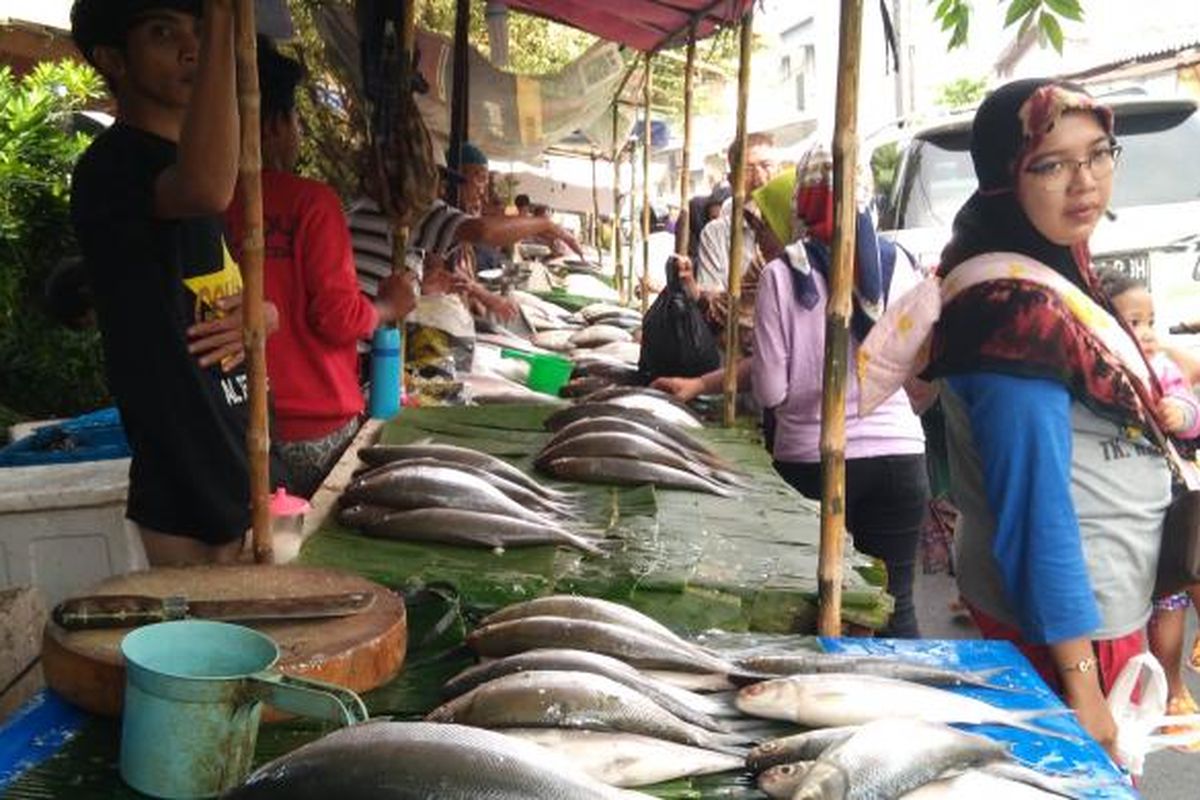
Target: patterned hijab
x: 1015, y: 326
x: 812, y: 233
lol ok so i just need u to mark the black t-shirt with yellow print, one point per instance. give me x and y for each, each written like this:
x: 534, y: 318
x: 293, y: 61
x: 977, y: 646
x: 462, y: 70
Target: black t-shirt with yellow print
x: 153, y: 278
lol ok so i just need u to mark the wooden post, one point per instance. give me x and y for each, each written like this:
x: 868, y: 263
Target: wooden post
x: 634, y: 228
x: 253, y: 319
x: 459, y: 101
x: 618, y: 272
x: 408, y: 40
x: 732, y: 349
x: 683, y: 226
x: 837, y: 325
x: 596, y: 213
x: 644, y: 284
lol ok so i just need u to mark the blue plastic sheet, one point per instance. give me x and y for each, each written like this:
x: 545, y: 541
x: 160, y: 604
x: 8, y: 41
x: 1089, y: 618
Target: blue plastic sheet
x: 1080, y: 754
x: 95, y: 436
x: 34, y: 733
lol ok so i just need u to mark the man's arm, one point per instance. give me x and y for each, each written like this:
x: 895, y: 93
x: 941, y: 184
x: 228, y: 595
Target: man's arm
x: 202, y: 179
x: 504, y: 231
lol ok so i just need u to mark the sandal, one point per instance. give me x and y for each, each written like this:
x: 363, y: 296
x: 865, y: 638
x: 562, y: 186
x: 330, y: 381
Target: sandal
x: 1177, y: 706
x: 1194, y: 658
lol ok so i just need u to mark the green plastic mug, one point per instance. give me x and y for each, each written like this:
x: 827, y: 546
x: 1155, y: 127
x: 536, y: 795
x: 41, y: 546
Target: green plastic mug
x: 547, y: 373
x: 194, y: 692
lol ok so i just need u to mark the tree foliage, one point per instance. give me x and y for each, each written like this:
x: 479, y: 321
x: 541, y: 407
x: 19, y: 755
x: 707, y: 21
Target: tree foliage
x: 961, y: 93
x: 48, y: 369
x: 955, y: 16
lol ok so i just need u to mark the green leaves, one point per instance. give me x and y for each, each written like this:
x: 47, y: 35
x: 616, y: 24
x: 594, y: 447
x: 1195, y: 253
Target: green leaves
x: 1045, y: 14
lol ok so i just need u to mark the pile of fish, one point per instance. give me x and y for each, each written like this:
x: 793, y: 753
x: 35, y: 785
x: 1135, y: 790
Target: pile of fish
x: 633, y: 436
x: 571, y: 675
x: 455, y: 495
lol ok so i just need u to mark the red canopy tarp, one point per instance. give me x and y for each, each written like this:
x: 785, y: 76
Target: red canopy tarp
x: 645, y: 25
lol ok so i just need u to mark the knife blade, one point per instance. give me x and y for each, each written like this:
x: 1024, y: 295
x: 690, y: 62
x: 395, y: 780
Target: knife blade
x: 131, y: 610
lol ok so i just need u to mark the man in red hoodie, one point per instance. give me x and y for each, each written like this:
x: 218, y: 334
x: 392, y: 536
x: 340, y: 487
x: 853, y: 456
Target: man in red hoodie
x: 312, y: 360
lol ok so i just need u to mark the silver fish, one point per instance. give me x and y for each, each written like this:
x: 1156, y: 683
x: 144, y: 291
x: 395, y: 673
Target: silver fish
x: 617, y: 444
x: 597, y: 335
x: 574, y: 700
x: 630, y: 472
x: 420, y: 760
x: 473, y: 528
x: 632, y: 646
x: 887, y: 758
x: 781, y: 781
x: 384, y: 453
x: 577, y: 606
x: 687, y: 706
x: 671, y: 411
x: 360, y: 516
x: 837, y: 699
x: 421, y: 486
x: 806, y: 746
x: 812, y: 663
x: 980, y: 784
x: 628, y: 759
x: 680, y: 443
x: 558, y: 340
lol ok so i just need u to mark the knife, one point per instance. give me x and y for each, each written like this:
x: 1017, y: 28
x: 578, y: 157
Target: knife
x: 130, y: 610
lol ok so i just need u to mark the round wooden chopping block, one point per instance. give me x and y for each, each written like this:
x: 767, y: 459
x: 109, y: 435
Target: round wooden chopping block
x: 360, y: 652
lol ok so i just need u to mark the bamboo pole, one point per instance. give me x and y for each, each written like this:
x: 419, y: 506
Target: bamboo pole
x: 254, y: 330
x: 634, y: 228
x: 596, y: 213
x: 618, y: 273
x: 837, y: 325
x: 736, y: 229
x: 647, y: 86
x: 683, y: 227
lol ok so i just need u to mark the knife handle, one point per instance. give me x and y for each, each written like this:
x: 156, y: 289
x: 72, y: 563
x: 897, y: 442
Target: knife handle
x: 116, y: 611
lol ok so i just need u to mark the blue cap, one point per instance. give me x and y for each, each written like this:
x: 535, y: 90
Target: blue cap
x: 471, y: 154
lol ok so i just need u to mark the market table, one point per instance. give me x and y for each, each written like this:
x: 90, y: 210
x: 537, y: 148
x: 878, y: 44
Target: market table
x: 694, y: 561
x: 52, y: 750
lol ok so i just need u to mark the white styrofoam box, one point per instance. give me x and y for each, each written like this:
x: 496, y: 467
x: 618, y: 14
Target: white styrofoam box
x: 63, y: 526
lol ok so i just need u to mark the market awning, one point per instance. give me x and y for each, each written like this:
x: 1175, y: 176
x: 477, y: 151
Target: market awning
x: 645, y: 25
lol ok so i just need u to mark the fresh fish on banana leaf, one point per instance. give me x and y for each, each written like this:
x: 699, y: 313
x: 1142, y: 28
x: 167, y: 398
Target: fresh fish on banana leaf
x: 630, y: 472
x: 360, y: 516
x: 474, y: 529
x: 781, y: 781
x: 574, y: 700
x: 412, y: 486
x: 680, y: 442
x: 557, y: 340
x: 607, y: 394
x: 599, y: 335
x: 887, y: 758
x: 422, y: 760
x: 629, y: 352
x: 575, y: 606
x: 688, y: 706
x: 669, y: 411
x: 628, y: 759
x: 378, y: 454
x: 589, y: 362
x: 837, y: 699
x: 619, y: 444
x: 999, y: 780
x: 483, y: 389
x: 632, y: 646
x: 760, y: 667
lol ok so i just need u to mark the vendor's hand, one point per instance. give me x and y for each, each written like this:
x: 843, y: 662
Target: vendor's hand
x: 1171, y: 415
x: 683, y: 389
x: 396, y: 297
x: 1094, y: 715
x: 220, y: 340
x: 503, y: 308
x: 564, y: 236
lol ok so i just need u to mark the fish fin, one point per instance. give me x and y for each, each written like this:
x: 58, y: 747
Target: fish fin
x: 1024, y: 720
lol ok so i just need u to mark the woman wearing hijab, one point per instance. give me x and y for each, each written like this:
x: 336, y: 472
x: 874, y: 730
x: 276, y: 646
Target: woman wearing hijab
x: 886, y: 485
x: 1046, y: 397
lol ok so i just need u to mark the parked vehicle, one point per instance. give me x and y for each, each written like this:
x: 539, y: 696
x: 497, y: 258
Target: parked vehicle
x: 1153, y: 228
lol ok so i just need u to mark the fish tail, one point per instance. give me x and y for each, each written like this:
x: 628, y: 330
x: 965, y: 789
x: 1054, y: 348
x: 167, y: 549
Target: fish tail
x: 1025, y: 720
x: 982, y: 678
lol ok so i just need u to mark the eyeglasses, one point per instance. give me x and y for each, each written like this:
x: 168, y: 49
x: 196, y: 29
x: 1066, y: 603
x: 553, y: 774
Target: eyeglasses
x: 762, y: 166
x: 1057, y: 174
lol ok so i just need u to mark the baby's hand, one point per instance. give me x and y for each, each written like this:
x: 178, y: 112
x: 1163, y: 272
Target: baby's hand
x: 1173, y: 415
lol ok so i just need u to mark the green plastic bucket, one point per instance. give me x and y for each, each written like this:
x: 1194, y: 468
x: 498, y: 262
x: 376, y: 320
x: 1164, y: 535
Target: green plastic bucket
x: 547, y: 373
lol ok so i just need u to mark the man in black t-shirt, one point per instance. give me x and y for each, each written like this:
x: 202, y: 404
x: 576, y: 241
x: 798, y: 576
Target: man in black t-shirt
x: 146, y: 203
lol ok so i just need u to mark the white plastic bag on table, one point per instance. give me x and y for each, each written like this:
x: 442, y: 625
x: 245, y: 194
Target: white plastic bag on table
x: 1137, y: 723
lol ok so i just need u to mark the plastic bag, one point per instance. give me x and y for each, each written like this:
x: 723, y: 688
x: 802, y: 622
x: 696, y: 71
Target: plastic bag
x: 1137, y: 723
x: 676, y: 339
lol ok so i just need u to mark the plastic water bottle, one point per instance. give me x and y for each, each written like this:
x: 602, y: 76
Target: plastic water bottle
x: 387, y: 366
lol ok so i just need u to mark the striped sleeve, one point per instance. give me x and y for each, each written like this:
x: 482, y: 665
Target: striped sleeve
x: 371, y: 238
x: 435, y: 232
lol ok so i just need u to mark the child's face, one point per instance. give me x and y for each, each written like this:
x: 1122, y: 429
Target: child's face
x: 1137, y: 309
x: 158, y: 63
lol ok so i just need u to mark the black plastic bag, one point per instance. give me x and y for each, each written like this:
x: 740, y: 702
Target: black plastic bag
x: 676, y: 339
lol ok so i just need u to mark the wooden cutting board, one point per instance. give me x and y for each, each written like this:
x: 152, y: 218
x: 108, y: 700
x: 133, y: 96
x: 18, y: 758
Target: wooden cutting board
x: 359, y: 652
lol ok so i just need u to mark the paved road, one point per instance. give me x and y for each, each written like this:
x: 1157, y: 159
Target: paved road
x: 1169, y: 775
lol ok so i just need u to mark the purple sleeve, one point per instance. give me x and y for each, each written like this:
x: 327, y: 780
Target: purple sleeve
x: 769, y: 368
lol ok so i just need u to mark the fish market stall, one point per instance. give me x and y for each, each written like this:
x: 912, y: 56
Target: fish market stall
x: 740, y: 559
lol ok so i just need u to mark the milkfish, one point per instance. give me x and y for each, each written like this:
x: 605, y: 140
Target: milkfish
x: 420, y: 760
x: 982, y: 784
x: 558, y: 340
x: 597, y: 335
x: 596, y: 311
x: 473, y: 528
x: 420, y: 486
x: 385, y: 453
x: 688, y: 706
x: 628, y: 759
x: 781, y: 781
x: 807, y: 746
x: 813, y: 663
x: 630, y: 472
x: 575, y: 700
x: 889, y: 757
x: 839, y: 699
x: 518, y: 492
x: 634, y: 647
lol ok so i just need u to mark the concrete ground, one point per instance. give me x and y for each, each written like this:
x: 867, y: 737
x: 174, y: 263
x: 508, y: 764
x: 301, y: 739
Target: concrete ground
x: 1169, y: 775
